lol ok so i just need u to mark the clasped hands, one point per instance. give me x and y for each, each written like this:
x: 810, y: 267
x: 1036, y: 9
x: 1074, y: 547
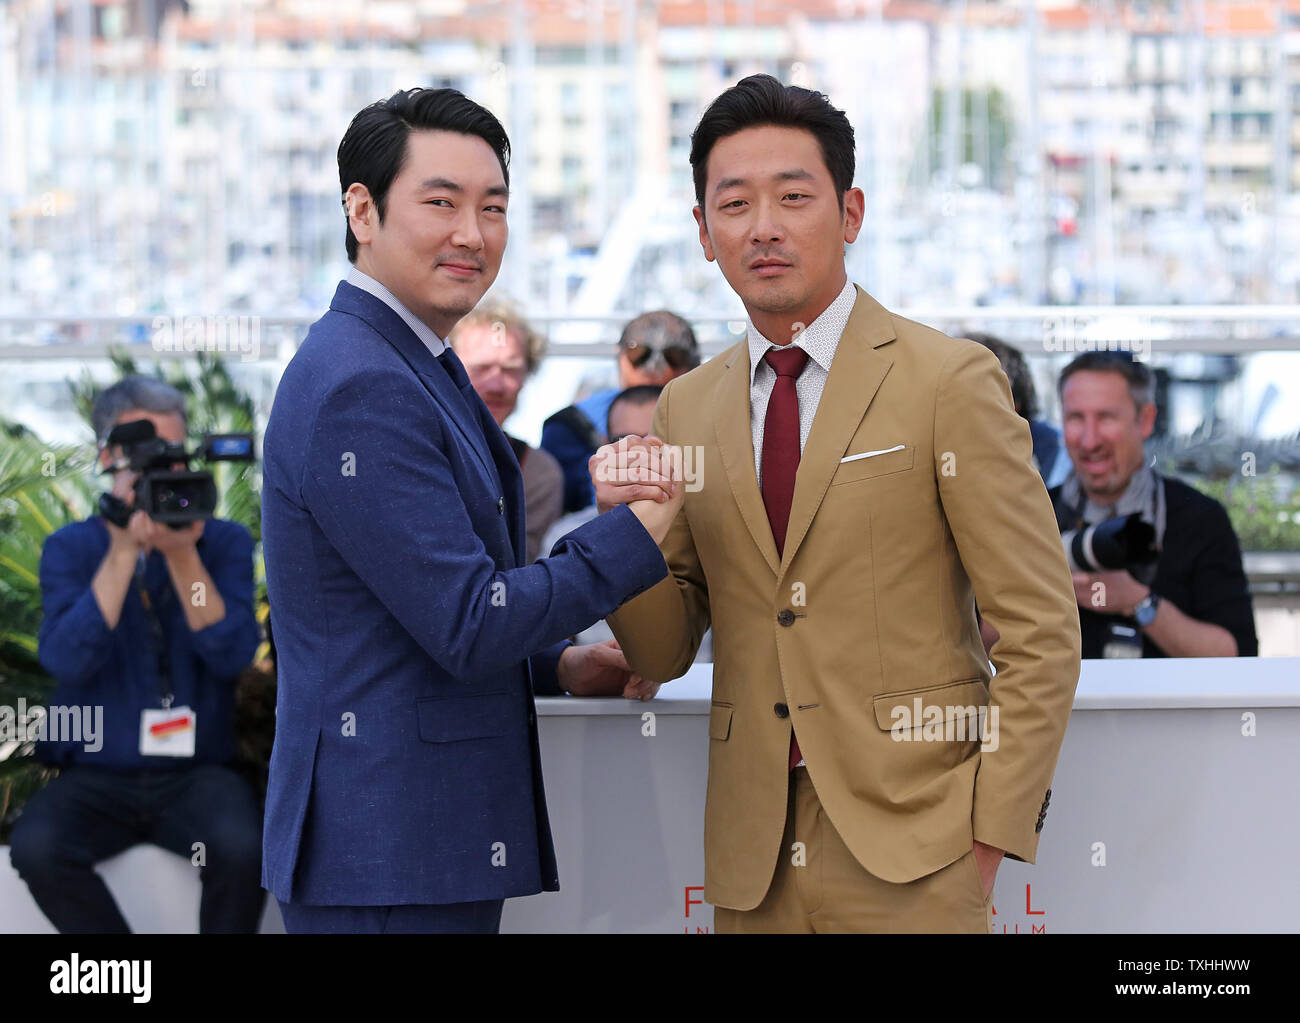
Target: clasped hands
x: 645, y: 474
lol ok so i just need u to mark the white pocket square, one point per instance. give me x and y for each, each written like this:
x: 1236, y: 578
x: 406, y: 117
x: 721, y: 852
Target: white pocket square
x: 871, y: 454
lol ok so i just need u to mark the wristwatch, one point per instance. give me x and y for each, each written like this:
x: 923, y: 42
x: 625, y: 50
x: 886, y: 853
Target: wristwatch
x: 1145, y: 612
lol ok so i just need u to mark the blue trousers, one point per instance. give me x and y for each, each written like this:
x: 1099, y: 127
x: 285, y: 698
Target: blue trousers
x: 451, y: 918
x: 89, y: 813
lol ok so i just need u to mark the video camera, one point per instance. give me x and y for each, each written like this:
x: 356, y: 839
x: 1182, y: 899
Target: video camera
x: 175, y: 497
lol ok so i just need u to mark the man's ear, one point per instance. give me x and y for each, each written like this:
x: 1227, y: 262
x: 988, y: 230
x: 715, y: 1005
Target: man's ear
x: 855, y: 207
x: 705, y: 243
x: 362, y: 215
x: 105, y: 457
x: 1147, y: 420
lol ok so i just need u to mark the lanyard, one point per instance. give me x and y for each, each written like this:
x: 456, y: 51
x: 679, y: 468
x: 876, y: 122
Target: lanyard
x: 164, y: 673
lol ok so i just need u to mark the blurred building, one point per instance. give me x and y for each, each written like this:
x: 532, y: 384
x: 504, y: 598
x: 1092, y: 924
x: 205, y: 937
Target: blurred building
x: 161, y: 155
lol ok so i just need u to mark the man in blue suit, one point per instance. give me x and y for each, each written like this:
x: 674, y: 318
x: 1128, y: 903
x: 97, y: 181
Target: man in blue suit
x: 405, y: 789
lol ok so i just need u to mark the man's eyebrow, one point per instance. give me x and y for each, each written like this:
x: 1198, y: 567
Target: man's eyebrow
x: 795, y: 174
x: 446, y: 184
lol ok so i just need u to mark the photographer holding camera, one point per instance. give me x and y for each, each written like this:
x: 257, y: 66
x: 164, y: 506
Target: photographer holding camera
x: 152, y: 620
x: 1160, y: 575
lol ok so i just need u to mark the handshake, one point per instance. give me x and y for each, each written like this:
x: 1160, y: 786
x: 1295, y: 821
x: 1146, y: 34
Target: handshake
x: 645, y: 474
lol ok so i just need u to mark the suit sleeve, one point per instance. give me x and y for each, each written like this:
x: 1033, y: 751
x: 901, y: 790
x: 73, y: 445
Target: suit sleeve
x: 1002, y: 523
x: 74, y: 638
x: 1220, y: 592
x: 661, y: 630
x: 399, y: 521
x: 227, y: 647
x: 545, y: 665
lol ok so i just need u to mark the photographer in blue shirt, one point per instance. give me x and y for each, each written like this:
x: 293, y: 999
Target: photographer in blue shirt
x: 152, y: 623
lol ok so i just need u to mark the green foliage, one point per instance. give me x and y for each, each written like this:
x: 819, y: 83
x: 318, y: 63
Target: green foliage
x: 42, y: 488
x: 1264, y: 511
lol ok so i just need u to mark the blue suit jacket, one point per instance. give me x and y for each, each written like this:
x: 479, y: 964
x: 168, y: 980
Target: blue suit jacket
x: 406, y: 617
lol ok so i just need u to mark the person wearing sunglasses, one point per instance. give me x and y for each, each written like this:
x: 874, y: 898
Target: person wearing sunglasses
x: 654, y: 348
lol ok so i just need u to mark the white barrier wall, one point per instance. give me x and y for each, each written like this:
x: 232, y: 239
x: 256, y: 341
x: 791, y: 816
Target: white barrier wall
x: 1173, y: 809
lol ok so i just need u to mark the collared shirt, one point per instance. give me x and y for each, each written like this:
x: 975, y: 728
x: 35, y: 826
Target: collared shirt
x: 819, y: 339
x: 422, y: 330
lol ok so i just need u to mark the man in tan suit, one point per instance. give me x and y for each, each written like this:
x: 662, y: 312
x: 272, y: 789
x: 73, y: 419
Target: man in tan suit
x: 855, y: 482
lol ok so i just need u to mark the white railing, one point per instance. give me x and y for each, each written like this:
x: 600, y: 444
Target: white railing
x: 1037, y: 330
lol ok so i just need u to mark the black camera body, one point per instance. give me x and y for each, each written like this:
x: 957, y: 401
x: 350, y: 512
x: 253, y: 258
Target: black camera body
x: 1123, y: 542
x: 175, y: 497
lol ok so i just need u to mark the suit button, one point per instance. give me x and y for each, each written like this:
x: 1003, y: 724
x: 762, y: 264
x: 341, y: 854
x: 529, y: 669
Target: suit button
x: 501, y: 505
x: 785, y: 617
x: 782, y: 711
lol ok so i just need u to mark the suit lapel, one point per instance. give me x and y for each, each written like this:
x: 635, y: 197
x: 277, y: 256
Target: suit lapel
x: 393, y: 329
x: 857, y: 371
x: 458, y: 408
x: 732, y: 427
x: 508, y: 473
x: 511, y: 477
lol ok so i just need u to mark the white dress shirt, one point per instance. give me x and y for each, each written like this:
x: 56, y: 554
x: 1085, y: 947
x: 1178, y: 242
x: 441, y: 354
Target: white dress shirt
x: 422, y: 330
x: 819, y: 339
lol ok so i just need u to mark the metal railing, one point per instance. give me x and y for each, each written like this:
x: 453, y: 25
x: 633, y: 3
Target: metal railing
x: 1044, y: 330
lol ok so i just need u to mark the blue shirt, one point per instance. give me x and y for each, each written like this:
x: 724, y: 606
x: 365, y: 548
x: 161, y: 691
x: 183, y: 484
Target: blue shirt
x: 596, y: 407
x: 118, y: 668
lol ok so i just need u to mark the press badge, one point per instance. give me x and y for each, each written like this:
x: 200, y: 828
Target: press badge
x: 167, y: 732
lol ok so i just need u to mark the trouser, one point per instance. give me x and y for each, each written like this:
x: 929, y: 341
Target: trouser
x: 820, y: 887
x: 450, y: 918
x: 205, y: 812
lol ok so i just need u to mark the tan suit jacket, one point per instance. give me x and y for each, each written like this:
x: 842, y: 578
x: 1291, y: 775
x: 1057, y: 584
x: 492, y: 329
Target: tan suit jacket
x: 869, y: 617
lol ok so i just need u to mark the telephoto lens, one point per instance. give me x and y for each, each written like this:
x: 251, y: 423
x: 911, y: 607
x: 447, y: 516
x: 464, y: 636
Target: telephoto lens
x: 1116, y: 543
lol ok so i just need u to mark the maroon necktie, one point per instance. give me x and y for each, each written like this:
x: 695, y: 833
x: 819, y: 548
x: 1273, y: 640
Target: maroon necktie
x: 781, y: 455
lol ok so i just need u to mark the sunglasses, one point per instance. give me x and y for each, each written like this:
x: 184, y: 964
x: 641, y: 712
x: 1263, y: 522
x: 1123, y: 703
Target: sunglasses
x: 676, y: 356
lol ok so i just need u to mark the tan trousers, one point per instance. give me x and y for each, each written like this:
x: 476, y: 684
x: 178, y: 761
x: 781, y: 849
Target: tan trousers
x: 820, y: 887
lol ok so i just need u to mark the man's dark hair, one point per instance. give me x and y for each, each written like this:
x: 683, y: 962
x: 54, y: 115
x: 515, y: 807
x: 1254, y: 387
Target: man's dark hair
x: 374, y: 146
x: 1141, y: 383
x: 1016, y: 369
x: 760, y: 100
x: 641, y: 394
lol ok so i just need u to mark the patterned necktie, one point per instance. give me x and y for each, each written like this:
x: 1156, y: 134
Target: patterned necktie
x: 781, y: 456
